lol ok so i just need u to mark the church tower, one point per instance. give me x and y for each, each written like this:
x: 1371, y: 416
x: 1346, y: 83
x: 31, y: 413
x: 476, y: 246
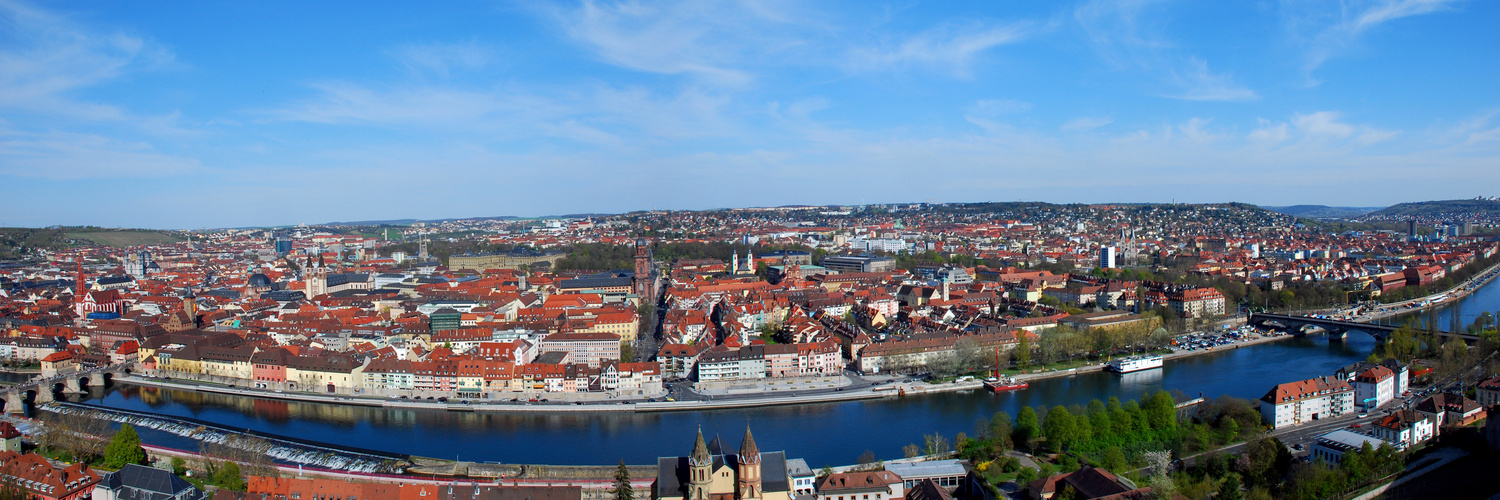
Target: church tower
x: 734, y: 263
x: 749, y: 481
x: 645, y: 283
x: 700, y: 470
x: 190, y: 305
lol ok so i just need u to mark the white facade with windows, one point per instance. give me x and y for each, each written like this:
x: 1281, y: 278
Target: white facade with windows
x: 1296, y: 403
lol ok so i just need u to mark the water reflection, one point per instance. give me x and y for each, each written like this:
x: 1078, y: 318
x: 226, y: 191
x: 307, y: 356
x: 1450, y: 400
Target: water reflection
x: 1142, y: 380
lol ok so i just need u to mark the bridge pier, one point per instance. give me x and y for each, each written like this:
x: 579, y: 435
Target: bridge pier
x: 96, y: 380
x: 15, y: 402
x: 43, y: 395
x: 71, y: 386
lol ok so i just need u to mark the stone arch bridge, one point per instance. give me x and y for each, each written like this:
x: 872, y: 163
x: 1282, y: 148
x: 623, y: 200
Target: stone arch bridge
x: 45, y: 389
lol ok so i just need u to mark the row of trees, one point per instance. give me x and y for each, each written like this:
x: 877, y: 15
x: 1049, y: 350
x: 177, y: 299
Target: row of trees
x: 1115, y: 429
x: 1064, y: 343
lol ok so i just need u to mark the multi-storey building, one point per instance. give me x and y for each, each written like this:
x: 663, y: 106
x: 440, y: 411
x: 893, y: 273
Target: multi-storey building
x: 1300, y: 402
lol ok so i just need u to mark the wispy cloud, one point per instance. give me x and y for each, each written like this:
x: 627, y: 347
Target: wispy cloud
x: 1269, y: 133
x: 706, y: 40
x: 1319, y: 126
x: 1131, y: 34
x: 45, y: 59
x: 443, y: 58
x: 1086, y: 123
x: 69, y: 156
x: 1200, y: 84
x: 1329, y: 30
x: 950, y: 48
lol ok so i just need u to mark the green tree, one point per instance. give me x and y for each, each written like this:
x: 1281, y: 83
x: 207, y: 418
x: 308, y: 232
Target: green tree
x: 622, y: 489
x: 1026, y: 475
x: 1001, y: 430
x: 1267, y: 462
x: 1160, y: 411
x: 124, y: 449
x: 1059, y: 428
x: 1028, y: 426
x: 179, y: 466
x: 1230, y: 488
x: 1023, y: 350
x: 1114, y: 459
x: 227, y: 475
x: 627, y: 352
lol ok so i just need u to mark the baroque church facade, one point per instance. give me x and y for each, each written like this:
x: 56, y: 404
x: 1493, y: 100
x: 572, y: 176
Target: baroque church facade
x: 710, y: 474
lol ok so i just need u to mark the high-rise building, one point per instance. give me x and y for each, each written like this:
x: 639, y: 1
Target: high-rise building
x: 1107, y: 257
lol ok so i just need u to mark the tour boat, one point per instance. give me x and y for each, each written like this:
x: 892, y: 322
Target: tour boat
x: 1135, y: 363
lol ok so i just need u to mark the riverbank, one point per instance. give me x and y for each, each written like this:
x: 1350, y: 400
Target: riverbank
x: 835, y: 395
x: 538, y: 407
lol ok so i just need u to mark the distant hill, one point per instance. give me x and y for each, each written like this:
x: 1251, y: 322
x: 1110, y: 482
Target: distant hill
x: 1440, y: 208
x: 1322, y: 211
x: 123, y: 237
x: 15, y: 242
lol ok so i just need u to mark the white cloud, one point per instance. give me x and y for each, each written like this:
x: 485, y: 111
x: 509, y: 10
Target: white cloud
x: 706, y: 40
x: 69, y: 156
x: 1196, y: 130
x: 1323, y: 123
x: 1322, y: 126
x: 1269, y: 133
x: 46, y: 58
x: 951, y: 48
x: 1131, y: 35
x: 442, y: 59
x: 1328, y: 30
x: 1086, y: 123
x: 1371, y: 136
x: 1200, y: 84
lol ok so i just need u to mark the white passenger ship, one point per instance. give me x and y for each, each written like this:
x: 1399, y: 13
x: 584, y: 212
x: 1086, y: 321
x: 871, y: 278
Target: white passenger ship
x: 1135, y: 364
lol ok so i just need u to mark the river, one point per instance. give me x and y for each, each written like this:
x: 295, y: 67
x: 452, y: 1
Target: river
x: 824, y: 434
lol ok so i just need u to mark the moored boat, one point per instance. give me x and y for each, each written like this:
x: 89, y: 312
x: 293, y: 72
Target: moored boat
x: 1002, y: 384
x: 1135, y: 363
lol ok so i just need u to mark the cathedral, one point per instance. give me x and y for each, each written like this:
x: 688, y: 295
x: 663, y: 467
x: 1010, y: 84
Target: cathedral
x: 710, y: 474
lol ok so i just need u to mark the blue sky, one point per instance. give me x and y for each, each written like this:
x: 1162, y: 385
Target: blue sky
x: 211, y: 114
